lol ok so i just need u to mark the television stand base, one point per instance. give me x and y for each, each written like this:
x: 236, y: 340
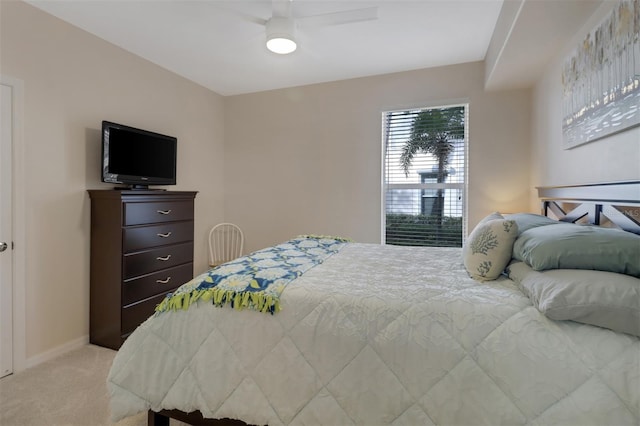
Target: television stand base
x: 137, y: 188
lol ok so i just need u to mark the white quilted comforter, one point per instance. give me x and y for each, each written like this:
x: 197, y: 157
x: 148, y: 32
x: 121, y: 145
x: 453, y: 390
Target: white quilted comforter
x: 382, y: 335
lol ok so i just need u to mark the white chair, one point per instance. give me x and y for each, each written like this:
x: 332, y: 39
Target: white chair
x: 226, y: 242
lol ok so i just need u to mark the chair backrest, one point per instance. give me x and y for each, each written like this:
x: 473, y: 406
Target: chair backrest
x: 226, y: 242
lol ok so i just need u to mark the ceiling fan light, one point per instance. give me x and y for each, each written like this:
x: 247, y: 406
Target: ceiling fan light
x: 281, y: 45
x: 280, y: 35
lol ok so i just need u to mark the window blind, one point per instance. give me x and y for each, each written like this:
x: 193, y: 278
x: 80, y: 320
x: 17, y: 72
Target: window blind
x: 424, y: 176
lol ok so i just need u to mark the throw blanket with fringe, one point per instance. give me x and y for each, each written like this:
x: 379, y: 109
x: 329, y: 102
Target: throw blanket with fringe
x: 257, y: 280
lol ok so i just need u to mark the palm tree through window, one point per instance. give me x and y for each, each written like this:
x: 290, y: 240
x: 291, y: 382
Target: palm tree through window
x: 424, y: 175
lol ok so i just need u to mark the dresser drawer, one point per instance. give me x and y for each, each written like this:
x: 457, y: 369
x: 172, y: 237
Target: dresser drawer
x: 160, y: 282
x: 145, y: 262
x: 141, y: 237
x: 157, y: 212
x: 134, y: 315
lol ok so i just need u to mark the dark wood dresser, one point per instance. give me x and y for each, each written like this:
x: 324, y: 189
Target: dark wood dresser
x: 141, y: 249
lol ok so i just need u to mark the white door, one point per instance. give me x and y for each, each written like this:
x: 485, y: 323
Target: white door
x: 6, y: 252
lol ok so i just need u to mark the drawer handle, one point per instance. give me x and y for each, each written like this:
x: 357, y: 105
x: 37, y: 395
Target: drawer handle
x: 168, y: 234
x: 164, y: 211
x: 164, y: 281
x: 164, y: 259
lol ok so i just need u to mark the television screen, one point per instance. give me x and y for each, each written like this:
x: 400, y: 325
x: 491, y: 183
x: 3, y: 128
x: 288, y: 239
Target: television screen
x: 137, y: 157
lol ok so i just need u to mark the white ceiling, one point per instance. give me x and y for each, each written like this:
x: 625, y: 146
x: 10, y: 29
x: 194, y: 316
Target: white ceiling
x: 220, y: 44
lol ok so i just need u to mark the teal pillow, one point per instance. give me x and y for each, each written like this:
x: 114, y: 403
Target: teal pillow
x: 527, y: 221
x: 571, y: 246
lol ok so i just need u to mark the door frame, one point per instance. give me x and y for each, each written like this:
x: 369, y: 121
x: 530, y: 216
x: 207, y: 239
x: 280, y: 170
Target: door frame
x: 19, y: 224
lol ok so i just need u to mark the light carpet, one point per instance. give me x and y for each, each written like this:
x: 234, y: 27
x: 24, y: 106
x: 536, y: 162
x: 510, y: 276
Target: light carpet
x: 68, y: 390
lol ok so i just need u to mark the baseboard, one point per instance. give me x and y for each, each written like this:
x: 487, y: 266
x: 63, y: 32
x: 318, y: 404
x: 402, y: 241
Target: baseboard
x: 56, y: 352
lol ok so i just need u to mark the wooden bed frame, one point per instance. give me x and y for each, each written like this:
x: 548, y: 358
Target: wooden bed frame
x: 613, y: 203
x: 194, y: 418
x: 616, y: 203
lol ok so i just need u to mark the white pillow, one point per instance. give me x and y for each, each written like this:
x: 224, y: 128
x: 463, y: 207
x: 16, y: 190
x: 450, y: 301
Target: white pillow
x: 487, y: 250
x: 605, y: 299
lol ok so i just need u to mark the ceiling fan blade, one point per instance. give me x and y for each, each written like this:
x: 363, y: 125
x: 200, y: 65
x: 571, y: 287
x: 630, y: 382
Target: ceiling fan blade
x: 253, y: 19
x: 240, y: 14
x: 339, y: 18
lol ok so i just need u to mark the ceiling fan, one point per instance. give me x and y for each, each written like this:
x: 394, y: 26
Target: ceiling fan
x: 281, y: 27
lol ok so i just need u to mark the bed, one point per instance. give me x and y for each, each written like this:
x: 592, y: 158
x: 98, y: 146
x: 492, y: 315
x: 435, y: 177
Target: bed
x: 516, y: 328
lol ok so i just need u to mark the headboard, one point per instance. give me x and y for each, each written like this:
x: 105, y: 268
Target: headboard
x: 614, y: 204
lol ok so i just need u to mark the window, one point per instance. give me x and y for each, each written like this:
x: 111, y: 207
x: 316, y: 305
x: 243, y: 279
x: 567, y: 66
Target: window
x: 425, y: 176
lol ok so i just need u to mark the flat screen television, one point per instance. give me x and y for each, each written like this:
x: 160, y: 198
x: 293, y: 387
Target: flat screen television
x: 137, y: 158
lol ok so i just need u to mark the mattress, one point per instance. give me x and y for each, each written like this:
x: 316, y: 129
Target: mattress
x: 381, y: 335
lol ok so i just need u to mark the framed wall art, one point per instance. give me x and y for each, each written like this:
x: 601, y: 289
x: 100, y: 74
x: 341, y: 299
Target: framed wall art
x: 601, y: 79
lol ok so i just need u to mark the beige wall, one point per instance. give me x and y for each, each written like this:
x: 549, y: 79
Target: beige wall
x: 73, y: 81
x: 613, y: 158
x: 308, y: 159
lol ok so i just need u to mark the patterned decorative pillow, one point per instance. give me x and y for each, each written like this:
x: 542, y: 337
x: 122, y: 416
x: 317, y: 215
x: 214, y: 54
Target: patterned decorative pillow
x: 487, y: 250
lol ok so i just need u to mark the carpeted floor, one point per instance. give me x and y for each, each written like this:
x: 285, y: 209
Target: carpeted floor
x: 69, y: 390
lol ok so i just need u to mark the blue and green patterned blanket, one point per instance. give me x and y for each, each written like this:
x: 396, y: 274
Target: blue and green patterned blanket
x: 257, y: 280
